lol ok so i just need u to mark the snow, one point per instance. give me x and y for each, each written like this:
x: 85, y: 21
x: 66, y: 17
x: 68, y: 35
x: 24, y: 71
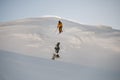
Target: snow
x: 20, y: 67
x: 87, y: 52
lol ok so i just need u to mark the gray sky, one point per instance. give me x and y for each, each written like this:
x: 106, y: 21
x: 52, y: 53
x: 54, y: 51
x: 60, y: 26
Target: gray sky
x: 93, y: 12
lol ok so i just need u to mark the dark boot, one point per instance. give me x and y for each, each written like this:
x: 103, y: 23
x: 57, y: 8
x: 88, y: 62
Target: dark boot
x: 57, y: 56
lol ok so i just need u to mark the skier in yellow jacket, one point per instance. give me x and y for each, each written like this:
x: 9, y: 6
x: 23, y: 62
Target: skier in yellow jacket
x: 59, y: 26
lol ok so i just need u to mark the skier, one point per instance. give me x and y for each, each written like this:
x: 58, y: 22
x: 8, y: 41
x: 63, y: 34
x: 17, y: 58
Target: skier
x: 57, y: 48
x: 59, y: 26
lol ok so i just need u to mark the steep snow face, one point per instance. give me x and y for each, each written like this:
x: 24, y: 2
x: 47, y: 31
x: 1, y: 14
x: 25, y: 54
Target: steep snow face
x: 93, y: 46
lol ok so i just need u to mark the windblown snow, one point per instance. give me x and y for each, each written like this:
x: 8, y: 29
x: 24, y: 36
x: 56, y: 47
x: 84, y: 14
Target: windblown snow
x: 87, y: 52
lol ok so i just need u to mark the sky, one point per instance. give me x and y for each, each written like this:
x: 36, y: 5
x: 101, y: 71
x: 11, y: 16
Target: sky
x: 90, y: 12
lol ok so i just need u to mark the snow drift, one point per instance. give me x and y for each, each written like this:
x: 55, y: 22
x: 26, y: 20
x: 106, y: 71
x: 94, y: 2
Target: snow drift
x: 97, y: 48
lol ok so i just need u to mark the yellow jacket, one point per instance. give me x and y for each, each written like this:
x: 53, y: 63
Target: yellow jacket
x: 59, y: 25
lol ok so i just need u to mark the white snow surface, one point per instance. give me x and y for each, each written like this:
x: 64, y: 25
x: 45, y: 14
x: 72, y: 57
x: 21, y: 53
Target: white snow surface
x: 87, y: 52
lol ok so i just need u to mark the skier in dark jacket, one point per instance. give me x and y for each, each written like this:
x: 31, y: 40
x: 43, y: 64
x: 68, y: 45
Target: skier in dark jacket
x: 57, y: 48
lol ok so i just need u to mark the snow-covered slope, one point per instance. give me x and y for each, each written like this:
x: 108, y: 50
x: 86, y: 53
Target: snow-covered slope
x: 15, y: 66
x: 97, y: 48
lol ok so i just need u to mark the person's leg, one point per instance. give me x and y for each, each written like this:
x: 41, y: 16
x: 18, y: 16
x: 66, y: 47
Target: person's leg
x: 57, y: 56
x: 60, y: 29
